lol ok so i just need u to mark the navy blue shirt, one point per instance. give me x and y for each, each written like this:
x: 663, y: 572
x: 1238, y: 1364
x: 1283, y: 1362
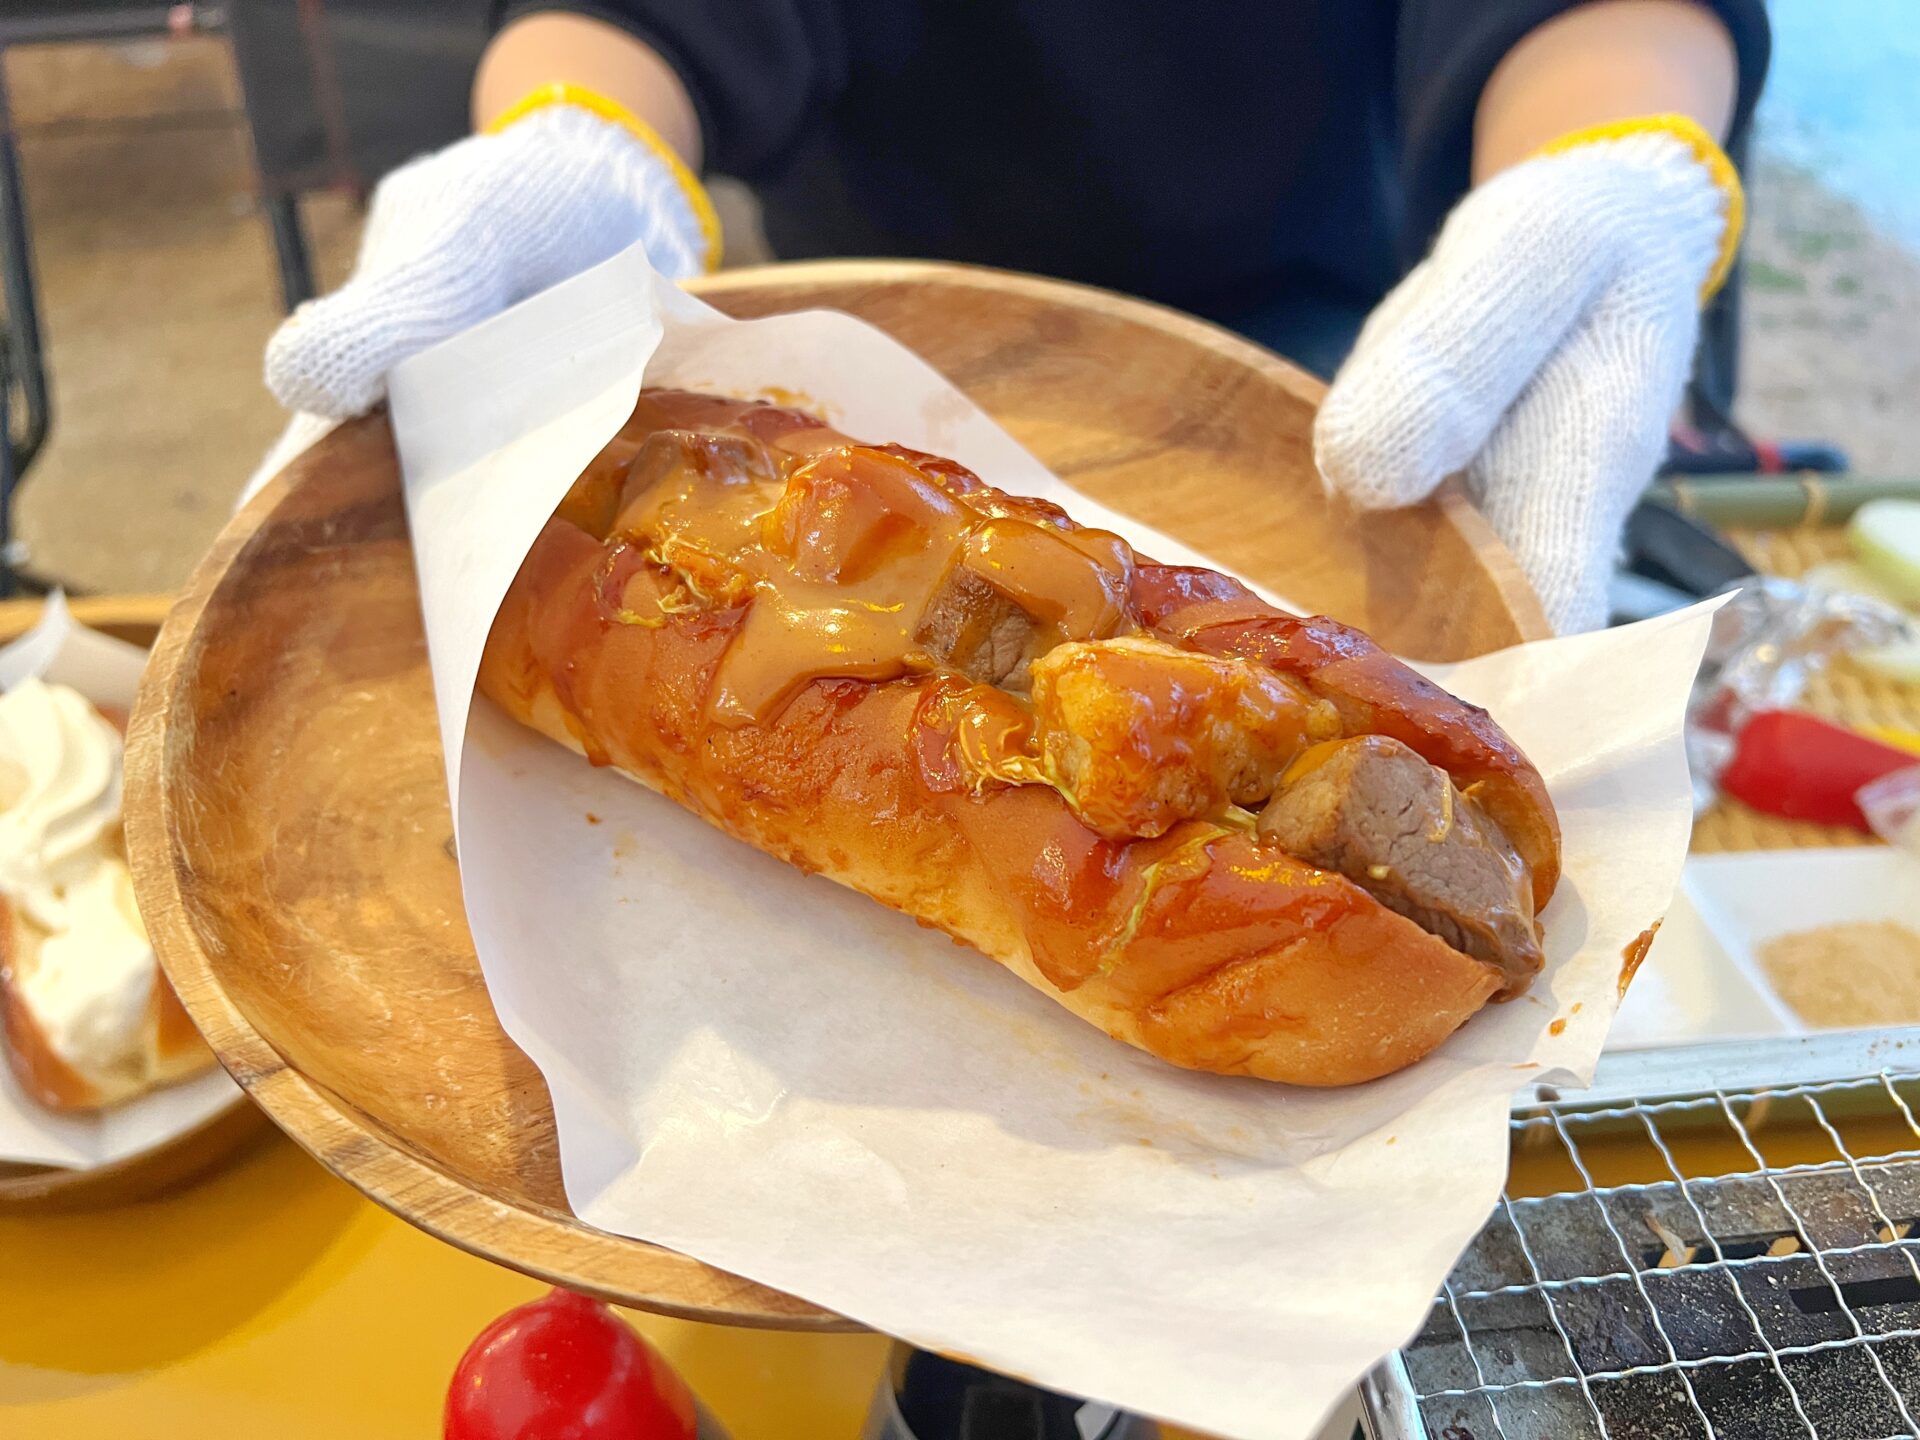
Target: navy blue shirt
x: 1225, y: 156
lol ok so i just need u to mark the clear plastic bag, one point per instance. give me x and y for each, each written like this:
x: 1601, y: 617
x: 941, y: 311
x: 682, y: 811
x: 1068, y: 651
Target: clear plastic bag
x: 1892, y: 807
x: 1767, y: 642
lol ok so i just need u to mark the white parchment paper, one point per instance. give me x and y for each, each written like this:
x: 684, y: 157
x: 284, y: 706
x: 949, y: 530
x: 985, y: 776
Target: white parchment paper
x: 785, y: 1079
x: 107, y: 672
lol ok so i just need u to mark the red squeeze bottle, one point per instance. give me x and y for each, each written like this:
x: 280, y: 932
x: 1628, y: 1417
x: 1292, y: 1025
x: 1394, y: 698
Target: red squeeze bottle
x: 1805, y: 768
x: 567, y: 1368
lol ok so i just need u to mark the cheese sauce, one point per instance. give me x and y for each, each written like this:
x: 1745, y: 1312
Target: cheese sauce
x: 834, y: 561
x: 837, y: 551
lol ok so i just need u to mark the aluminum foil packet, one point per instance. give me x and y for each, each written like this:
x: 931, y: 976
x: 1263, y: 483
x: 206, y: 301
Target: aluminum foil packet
x: 1768, y: 641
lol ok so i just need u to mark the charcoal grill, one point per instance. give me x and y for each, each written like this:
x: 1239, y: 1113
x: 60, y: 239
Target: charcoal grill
x: 1715, y: 1241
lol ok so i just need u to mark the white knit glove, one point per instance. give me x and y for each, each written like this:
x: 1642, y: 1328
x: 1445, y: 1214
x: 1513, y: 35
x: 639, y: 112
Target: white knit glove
x: 1542, y: 347
x: 460, y: 235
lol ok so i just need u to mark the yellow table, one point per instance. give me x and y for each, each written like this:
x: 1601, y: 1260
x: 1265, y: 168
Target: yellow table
x: 271, y: 1299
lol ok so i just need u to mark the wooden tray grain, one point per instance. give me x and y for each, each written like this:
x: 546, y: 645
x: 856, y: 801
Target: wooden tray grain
x: 287, y: 813
x: 135, y: 619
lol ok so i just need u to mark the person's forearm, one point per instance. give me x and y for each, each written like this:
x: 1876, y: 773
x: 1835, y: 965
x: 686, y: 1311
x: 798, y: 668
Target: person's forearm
x: 548, y: 48
x: 1608, y: 60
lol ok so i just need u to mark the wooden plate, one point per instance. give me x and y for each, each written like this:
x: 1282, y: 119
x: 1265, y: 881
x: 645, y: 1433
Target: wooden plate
x: 135, y: 619
x: 287, y: 814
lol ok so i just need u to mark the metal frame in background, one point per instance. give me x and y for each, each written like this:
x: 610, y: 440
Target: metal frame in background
x: 338, y: 93
x: 24, y: 389
x: 1755, y: 1300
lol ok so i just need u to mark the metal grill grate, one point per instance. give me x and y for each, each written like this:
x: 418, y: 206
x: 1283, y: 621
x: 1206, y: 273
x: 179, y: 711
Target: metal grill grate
x: 1690, y: 1252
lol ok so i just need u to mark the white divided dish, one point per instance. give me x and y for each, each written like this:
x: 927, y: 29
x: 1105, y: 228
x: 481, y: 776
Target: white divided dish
x: 1702, y: 980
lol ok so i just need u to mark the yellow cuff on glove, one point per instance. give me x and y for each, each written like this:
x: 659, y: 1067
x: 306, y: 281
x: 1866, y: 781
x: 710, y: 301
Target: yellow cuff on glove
x: 1706, y: 150
x: 594, y: 103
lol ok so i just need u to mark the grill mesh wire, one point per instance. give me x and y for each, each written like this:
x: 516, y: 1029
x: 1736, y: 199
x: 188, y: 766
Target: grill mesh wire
x: 1768, y: 1285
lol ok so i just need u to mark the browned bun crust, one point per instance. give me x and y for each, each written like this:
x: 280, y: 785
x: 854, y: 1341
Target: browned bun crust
x: 1376, y: 695
x: 177, y: 1048
x: 43, y: 1075
x: 1205, y: 948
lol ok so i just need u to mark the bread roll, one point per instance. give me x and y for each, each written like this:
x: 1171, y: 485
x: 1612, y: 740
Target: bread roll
x: 88, y: 1018
x: 872, y: 665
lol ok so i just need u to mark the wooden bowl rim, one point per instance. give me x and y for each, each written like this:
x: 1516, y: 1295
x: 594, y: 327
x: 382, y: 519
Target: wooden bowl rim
x: 525, y: 1237
x: 327, y: 1127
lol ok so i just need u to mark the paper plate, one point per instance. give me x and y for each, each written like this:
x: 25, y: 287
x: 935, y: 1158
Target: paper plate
x: 287, y: 808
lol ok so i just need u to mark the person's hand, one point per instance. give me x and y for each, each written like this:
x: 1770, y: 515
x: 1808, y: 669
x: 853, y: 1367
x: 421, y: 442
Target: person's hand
x: 1542, y: 348
x: 459, y: 235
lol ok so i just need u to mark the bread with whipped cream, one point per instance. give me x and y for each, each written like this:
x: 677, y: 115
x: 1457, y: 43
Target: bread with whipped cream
x: 89, y: 1020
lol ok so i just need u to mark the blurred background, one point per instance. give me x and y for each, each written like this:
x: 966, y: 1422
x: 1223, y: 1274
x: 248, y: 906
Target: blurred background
x: 159, y: 280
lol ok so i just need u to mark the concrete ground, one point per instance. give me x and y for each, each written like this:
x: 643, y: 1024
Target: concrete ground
x: 159, y: 291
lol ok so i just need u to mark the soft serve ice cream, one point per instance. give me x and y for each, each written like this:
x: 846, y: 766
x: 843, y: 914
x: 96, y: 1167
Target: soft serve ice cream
x: 79, y: 958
